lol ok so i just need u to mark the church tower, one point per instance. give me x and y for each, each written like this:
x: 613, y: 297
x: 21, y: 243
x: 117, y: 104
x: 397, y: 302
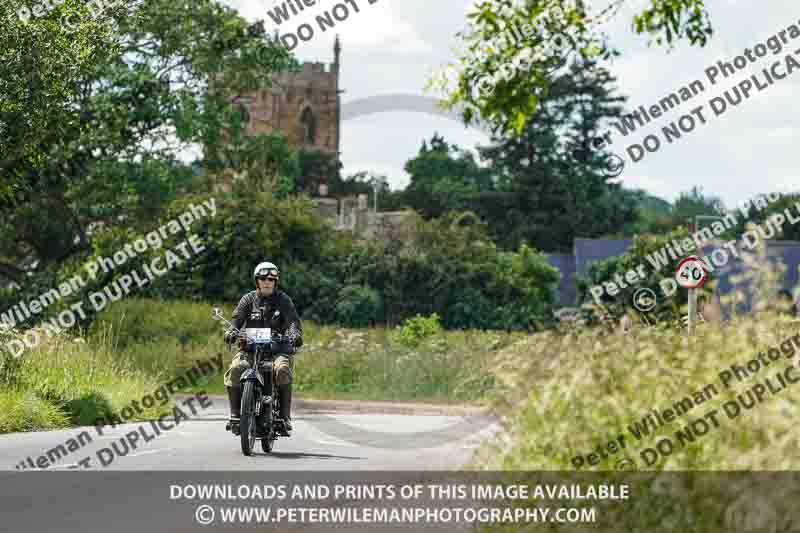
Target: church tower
x: 303, y: 106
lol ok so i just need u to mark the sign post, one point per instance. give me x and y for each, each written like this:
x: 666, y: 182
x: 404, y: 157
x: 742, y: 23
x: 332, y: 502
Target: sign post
x: 690, y: 275
x: 692, y: 294
x: 692, y: 310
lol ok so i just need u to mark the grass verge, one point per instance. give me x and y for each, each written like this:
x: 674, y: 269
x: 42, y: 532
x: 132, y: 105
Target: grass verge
x: 138, y: 345
x: 576, y: 391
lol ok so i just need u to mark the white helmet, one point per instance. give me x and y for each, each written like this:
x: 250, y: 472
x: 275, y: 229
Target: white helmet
x: 268, y: 270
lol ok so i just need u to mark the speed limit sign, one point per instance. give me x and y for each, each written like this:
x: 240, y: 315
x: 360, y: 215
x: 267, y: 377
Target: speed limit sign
x: 691, y: 273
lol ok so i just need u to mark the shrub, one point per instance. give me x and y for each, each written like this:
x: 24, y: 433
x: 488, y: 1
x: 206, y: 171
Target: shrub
x: 23, y: 411
x: 457, y: 272
x: 667, y: 308
x: 415, y: 330
x: 9, y: 363
x: 441, y: 266
x: 358, y: 305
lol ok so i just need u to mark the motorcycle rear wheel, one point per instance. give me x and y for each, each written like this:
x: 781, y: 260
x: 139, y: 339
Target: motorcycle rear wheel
x: 247, y: 423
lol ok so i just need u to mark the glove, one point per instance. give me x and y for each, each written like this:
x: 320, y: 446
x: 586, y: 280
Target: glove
x: 294, y: 335
x: 290, y: 345
x: 242, y: 339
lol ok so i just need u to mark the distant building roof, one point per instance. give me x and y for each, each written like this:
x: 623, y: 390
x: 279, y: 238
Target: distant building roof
x: 588, y: 251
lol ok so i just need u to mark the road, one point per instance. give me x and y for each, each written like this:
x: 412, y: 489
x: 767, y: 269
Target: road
x: 132, y: 493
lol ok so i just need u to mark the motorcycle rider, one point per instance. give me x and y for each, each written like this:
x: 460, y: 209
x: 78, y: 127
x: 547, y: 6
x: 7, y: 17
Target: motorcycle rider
x: 278, y: 306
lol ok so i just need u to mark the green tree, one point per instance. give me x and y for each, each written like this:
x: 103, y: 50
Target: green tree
x: 668, y: 308
x: 164, y: 88
x: 791, y: 232
x: 693, y: 203
x: 317, y: 167
x: 495, y: 74
x: 41, y: 64
x: 552, y: 185
x: 657, y: 216
x: 444, y: 178
x: 454, y: 270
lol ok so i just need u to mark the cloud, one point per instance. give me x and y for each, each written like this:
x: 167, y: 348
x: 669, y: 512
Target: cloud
x: 393, y: 46
x: 363, y: 25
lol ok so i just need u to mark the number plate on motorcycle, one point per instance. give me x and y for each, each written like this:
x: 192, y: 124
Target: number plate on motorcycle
x: 260, y: 335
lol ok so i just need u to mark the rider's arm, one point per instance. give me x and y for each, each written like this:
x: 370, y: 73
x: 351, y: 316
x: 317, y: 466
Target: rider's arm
x: 241, y: 313
x: 294, y: 329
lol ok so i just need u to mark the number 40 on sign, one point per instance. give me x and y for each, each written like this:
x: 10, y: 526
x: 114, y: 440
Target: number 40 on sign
x: 691, y: 274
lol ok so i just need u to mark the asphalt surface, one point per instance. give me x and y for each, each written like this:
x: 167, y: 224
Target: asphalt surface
x: 326, y: 436
x: 133, y: 492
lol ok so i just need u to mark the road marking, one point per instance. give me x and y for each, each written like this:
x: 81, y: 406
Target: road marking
x: 335, y: 443
x: 148, y: 452
x: 62, y: 466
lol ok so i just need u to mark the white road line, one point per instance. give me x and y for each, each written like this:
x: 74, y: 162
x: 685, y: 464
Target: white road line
x: 148, y: 452
x: 335, y: 443
x: 61, y: 466
x: 171, y: 432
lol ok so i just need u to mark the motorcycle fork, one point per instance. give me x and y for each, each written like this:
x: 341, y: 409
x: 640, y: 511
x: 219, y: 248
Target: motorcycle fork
x: 251, y: 375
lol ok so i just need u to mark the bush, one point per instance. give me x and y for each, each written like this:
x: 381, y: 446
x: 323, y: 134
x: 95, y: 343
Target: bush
x: 23, y: 411
x: 357, y: 306
x: 667, y: 308
x: 9, y: 363
x: 442, y: 266
x: 457, y: 272
x: 415, y: 330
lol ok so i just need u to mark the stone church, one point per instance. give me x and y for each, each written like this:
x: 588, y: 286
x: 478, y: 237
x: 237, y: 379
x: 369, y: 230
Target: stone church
x: 303, y: 106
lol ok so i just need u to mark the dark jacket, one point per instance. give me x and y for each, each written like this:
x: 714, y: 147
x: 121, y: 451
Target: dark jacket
x: 287, y: 322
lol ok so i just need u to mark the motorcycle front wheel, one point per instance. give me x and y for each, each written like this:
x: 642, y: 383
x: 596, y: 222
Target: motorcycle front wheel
x: 268, y: 442
x: 247, y: 424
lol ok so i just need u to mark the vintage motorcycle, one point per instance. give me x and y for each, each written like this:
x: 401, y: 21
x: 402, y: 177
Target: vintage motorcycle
x: 260, y: 408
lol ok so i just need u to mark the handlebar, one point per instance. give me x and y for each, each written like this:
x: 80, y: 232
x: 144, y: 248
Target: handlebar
x: 277, y: 338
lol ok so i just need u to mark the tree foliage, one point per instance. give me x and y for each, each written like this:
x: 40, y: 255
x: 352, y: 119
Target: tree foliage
x: 552, y: 185
x: 157, y: 82
x: 444, y: 178
x: 668, y: 308
x: 657, y: 216
x: 790, y: 202
x: 42, y: 62
x: 501, y: 80
x: 317, y: 167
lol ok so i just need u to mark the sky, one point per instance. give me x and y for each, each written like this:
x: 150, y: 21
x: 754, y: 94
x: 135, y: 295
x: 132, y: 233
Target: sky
x: 395, y: 46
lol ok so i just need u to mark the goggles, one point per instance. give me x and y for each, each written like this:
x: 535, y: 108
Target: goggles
x: 267, y: 273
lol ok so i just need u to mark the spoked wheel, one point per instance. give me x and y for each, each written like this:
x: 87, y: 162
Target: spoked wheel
x: 247, y: 424
x: 268, y: 442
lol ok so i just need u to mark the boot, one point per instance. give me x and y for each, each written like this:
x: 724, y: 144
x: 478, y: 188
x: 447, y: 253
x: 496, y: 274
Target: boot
x: 235, y: 401
x: 285, y: 397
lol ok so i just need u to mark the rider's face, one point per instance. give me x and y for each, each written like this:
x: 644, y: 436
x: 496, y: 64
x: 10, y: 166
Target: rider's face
x: 265, y: 286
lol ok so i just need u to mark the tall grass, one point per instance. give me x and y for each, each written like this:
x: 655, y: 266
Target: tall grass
x: 453, y: 366
x: 580, y: 388
x: 137, y: 345
x: 575, y: 390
